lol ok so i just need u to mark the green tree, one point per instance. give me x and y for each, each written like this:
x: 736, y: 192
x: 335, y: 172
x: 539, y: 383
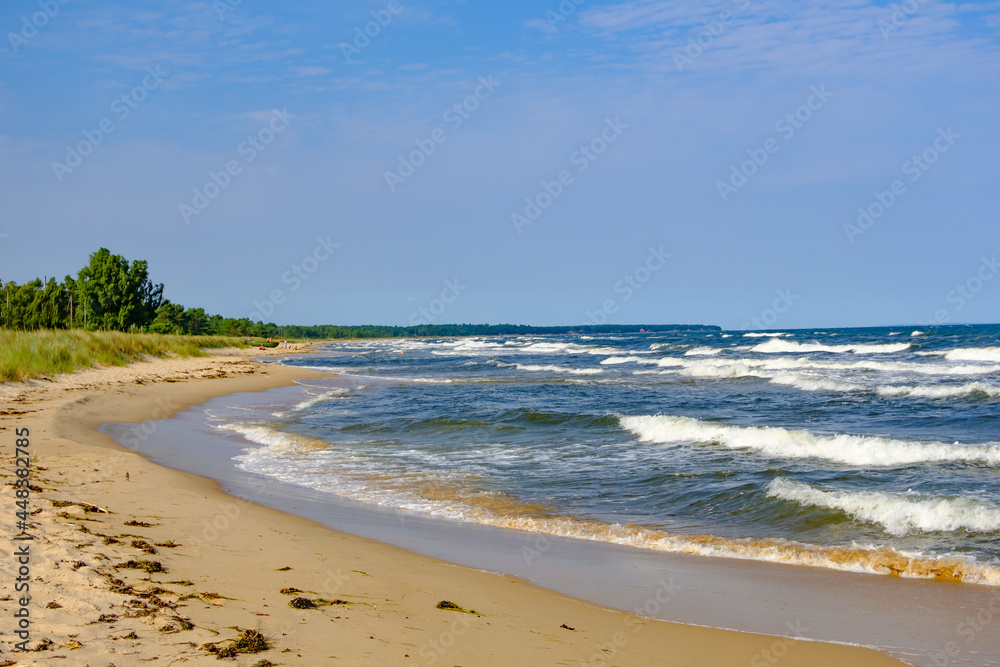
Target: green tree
x: 169, y: 319
x: 116, y: 294
x: 34, y: 305
x: 196, y: 321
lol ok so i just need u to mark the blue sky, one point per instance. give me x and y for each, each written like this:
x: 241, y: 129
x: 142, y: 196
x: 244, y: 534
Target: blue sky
x: 713, y: 157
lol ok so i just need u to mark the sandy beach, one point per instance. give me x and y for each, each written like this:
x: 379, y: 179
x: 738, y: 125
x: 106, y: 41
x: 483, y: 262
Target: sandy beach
x: 132, y: 563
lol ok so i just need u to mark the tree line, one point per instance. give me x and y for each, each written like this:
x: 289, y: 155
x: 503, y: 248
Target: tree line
x: 112, y: 294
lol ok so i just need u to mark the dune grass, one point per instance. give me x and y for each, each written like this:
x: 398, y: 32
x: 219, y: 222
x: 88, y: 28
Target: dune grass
x: 31, y: 354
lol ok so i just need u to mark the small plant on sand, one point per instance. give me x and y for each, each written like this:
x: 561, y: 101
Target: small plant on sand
x: 302, y: 603
x: 147, y: 566
x: 306, y: 603
x: 451, y: 606
x: 251, y: 641
x: 144, y: 546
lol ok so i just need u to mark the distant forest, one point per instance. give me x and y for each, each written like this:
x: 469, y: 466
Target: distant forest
x: 113, y: 294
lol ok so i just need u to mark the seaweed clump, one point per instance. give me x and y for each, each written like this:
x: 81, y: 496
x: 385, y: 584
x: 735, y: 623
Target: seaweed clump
x: 148, y: 566
x: 251, y: 641
x: 451, y: 606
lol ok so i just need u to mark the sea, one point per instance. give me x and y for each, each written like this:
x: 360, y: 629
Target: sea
x: 868, y: 450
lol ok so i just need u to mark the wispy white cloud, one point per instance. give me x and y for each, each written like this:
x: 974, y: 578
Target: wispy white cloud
x: 310, y: 70
x: 842, y: 38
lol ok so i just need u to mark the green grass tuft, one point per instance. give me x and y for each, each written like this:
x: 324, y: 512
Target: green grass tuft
x: 30, y: 354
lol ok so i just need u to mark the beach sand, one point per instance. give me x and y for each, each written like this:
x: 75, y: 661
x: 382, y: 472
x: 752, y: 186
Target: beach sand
x: 230, y: 566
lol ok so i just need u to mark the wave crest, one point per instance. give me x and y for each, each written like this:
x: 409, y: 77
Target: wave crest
x: 974, y: 354
x: 853, y: 450
x: 778, y: 346
x: 898, y: 514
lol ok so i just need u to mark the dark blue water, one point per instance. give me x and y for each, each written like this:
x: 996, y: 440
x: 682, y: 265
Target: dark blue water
x: 859, y: 449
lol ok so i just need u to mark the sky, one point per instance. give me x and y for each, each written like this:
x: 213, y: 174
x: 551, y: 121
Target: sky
x: 743, y: 163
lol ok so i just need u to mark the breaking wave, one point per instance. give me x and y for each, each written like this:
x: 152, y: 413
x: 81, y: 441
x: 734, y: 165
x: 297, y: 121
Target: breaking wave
x: 899, y: 514
x: 778, y: 346
x: 852, y: 450
x: 974, y: 354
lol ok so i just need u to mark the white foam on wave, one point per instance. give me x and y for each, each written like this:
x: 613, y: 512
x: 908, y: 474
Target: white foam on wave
x: 917, y: 333
x: 941, y: 391
x: 719, y: 369
x: 480, y: 347
x: 553, y: 348
x: 899, y: 514
x: 551, y: 368
x: 813, y: 383
x: 812, y: 375
x: 276, y: 441
x: 974, y: 354
x: 778, y: 346
x: 335, y: 393
x: 703, y: 352
x: 613, y: 361
x: 807, y: 375
x: 852, y: 450
x: 667, y: 362
x: 760, y: 334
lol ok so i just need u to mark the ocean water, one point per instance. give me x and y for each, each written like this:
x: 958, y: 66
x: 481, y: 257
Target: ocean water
x: 874, y: 450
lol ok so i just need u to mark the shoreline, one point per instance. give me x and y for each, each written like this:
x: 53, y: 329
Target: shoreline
x: 391, y: 615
